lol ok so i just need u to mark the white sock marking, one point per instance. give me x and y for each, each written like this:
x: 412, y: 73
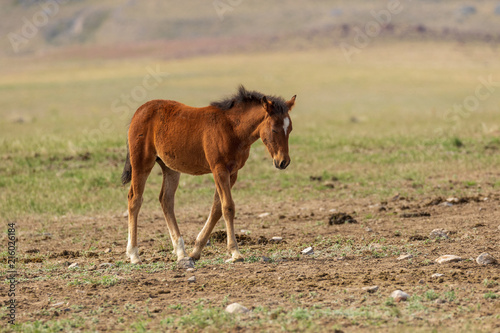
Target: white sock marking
x: 286, y: 123
x: 181, y: 252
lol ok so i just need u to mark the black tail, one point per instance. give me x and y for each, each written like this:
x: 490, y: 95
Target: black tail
x: 127, y: 169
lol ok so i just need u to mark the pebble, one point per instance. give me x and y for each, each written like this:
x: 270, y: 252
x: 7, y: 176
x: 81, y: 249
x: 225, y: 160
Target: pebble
x: 329, y: 184
x: 405, y: 256
x: 421, y: 281
x: 192, y: 279
x: 236, y: 308
x: 485, y: 259
x: 448, y: 258
x: 371, y: 289
x: 276, y: 239
x: 57, y: 304
x: 368, y: 229
x: 441, y: 233
x: 244, y: 231
x: 190, y: 269
x: 440, y: 301
x: 399, y: 295
x: 447, y: 204
x: 308, y: 250
x: 108, y: 250
x: 333, y: 210
x: 436, y: 275
x: 264, y: 215
x: 452, y: 200
x: 105, y: 265
x: 125, y: 214
x: 73, y: 265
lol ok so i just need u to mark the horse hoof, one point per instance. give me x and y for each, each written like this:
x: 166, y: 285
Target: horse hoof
x: 185, y: 263
x: 232, y: 260
x: 136, y: 261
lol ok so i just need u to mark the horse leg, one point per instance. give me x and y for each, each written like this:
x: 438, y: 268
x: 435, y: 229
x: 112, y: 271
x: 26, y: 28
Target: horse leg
x: 167, y: 199
x: 213, y: 218
x: 140, y: 174
x: 223, y: 183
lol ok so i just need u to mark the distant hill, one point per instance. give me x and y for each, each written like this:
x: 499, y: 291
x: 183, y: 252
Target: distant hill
x: 182, y: 28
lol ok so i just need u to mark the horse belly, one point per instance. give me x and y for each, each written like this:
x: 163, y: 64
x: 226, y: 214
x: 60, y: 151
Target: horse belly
x: 185, y: 163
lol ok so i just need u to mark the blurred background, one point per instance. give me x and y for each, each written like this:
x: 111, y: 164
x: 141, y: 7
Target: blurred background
x: 393, y: 96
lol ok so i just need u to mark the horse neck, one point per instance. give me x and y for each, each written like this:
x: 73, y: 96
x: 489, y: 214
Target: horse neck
x: 248, y: 122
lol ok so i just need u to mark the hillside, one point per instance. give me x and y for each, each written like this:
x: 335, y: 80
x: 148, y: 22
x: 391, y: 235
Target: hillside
x: 174, y: 28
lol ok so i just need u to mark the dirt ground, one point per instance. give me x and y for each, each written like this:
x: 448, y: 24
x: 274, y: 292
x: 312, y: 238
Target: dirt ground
x: 360, y: 252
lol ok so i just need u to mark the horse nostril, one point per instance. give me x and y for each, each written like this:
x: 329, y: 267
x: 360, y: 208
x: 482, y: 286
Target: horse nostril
x: 283, y: 164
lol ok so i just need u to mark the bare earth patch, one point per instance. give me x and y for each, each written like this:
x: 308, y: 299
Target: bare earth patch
x: 281, y: 286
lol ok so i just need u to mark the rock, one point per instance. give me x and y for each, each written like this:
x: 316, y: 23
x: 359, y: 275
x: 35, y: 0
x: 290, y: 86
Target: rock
x: 421, y: 281
x: 236, y: 308
x: 436, y: 275
x: 452, y: 200
x: 399, y: 295
x: 308, y: 250
x: 106, y: 265
x: 448, y: 258
x: 125, y: 214
x: 485, y: 259
x: 264, y: 215
x: 440, y: 301
x: 92, y: 268
x: 405, y: 256
x: 73, y: 265
x: 190, y: 269
x: 371, y: 289
x: 244, y: 231
x: 368, y: 229
x: 192, y: 279
x: 333, y: 210
x: 57, y: 304
x: 329, y: 184
x: 266, y: 259
x: 439, y: 233
x: 108, y: 250
x: 276, y: 239
x: 185, y: 263
x: 447, y: 204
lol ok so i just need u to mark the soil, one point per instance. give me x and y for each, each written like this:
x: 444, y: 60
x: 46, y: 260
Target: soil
x: 347, y: 257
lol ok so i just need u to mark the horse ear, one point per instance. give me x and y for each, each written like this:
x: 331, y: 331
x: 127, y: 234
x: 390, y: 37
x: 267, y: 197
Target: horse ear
x: 266, y: 104
x: 291, y: 103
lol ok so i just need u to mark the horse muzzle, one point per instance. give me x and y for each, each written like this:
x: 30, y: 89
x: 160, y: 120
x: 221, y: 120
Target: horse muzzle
x: 281, y: 164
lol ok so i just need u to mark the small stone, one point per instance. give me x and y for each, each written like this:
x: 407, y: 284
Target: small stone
x: 57, y: 304
x: 448, y: 258
x: 276, y: 239
x: 73, y: 265
x: 125, y: 214
x: 192, y: 279
x: 329, y: 184
x: 399, y: 295
x: 308, y: 250
x: 108, y: 250
x: 264, y: 215
x: 190, y: 269
x: 452, y: 200
x: 333, y: 210
x: 405, y: 256
x: 236, y: 308
x: 439, y: 233
x: 266, y: 259
x: 92, y: 268
x: 106, y: 265
x: 371, y: 289
x: 421, y: 281
x: 440, y: 301
x: 368, y: 229
x: 185, y: 263
x: 485, y: 259
x: 244, y: 231
x: 436, y: 275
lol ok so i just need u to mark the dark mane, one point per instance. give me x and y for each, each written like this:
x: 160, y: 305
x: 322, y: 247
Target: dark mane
x: 244, y: 96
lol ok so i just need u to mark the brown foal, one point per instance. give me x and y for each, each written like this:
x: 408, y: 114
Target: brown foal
x: 214, y: 139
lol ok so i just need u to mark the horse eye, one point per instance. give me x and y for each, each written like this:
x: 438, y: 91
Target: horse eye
x: 274, y: 131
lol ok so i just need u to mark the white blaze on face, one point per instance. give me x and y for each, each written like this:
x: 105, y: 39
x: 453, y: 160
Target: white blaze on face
x: 286, y: 123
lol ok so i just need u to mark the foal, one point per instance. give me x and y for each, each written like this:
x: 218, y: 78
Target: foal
x: 214, y: 139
